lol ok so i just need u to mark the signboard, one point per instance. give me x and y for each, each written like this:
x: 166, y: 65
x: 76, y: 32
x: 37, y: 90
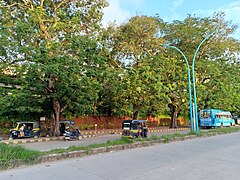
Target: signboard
x: 42, y: 118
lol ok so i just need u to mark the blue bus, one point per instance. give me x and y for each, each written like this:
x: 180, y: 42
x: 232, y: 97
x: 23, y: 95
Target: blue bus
x: 209, y: 118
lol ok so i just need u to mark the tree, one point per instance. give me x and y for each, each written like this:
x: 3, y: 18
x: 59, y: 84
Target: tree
x: 50, y: 45
x: 174, y: 79
x: 219, y: 86
x: 135, y: 45
x: 218, y: 68
x: 213, y: 56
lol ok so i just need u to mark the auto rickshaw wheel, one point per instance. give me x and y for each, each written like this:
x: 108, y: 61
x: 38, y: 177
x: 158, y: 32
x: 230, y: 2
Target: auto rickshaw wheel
x: 134, y: 137
x: 35, y: 136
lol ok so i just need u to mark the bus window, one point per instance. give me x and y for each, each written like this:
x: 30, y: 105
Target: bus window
x: 205, y: 114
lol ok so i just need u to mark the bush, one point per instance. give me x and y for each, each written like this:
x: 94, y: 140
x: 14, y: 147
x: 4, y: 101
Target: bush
x: 4, y: 130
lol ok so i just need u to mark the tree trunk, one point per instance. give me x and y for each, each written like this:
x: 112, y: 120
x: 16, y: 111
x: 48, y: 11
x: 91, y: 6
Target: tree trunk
x: 135, y: 115
x: 56, y: 110
x: 174, y: 111
x: 149, y: 112
x: 174, y: 120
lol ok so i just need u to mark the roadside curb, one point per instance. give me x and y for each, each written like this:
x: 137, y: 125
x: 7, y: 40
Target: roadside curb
x: 101, y: 132
x: 167, y: 129
x: 155, y: 130
x: 85, y: 135
x: 24, y: 141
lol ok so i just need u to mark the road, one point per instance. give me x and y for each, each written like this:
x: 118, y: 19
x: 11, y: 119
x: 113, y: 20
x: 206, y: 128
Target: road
x: 46, y: 146
x: 213, y: 158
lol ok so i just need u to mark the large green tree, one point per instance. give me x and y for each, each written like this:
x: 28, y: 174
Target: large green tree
x: 50, y: 46
x: 135, y: 45
x: 213, y: 58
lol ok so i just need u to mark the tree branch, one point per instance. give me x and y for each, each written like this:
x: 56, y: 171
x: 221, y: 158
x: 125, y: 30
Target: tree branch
x: 9, y: 5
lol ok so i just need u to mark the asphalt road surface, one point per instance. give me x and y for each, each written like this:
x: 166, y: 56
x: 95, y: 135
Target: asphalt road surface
x: 212, y: 158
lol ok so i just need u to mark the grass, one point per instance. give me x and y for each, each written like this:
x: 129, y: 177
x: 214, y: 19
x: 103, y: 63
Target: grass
x: 224, y: 130
x: 9, y: 153
x: 91, y: 146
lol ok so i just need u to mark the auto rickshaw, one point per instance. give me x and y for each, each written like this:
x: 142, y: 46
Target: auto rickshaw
x: 134, y: 128
x: 25, y: 129
x: 63, y: 125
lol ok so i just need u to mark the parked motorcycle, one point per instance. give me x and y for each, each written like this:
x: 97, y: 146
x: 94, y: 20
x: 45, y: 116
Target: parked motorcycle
x: 73, y: 135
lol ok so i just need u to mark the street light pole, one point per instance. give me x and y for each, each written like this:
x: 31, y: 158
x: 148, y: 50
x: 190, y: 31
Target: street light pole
x: 193, y: 80
x: 189, y: 83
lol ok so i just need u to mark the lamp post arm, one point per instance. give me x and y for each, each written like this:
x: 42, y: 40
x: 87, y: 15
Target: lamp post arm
x: 193, y: 78
x: 189, y: 83
x: 207, y: 37
x: 181, y: 54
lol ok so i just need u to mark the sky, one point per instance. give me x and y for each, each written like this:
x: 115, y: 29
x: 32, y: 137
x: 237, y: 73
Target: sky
x: 121, y: 10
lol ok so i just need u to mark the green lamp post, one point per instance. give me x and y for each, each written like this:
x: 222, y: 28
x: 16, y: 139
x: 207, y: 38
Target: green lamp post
x: 193, y: 80
x: 189, y: 83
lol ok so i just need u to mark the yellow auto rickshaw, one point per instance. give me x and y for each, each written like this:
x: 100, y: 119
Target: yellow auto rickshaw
x: 134, y: 128
x: 25, y: 129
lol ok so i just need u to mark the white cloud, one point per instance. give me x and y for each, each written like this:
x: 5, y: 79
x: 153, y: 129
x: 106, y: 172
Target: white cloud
x: 115, y: 13
x: 137, y: 3
x: 232, y: 12
x: 176, y: 4
x: 174, y: 14
x: 235, y: 4
x: 118, y: 10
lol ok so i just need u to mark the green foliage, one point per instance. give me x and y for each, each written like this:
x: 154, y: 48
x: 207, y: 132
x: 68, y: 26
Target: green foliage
x: 214, y: 67
x: 135, y: 46
x: 4, y: 130
x: 50, y: 51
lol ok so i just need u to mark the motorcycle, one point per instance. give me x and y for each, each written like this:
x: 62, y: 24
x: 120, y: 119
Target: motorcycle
x: 73, y: 135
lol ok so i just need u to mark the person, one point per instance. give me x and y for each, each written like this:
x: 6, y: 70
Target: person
x: 21, y: 130
x: 73, y: 129
x: 62, y: 128
x: 145, y: 130
x: 22, y: 127
x: 28, y: 131
x: 140, y: 133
